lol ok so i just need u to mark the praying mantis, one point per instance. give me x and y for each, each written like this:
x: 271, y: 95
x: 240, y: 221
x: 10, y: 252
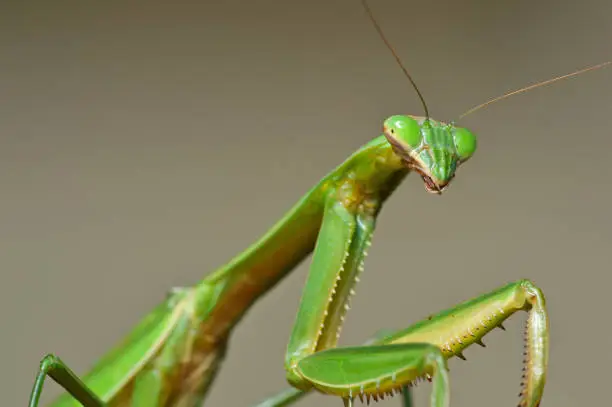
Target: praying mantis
x: 171, y: 359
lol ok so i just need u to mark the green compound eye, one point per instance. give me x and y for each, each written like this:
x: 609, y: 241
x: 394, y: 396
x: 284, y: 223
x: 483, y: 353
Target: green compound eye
x: 404, y: 129
x: 465, y: 143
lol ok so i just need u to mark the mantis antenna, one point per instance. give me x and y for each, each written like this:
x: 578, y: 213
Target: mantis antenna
x: 399, y: 62
x: 536, y: 85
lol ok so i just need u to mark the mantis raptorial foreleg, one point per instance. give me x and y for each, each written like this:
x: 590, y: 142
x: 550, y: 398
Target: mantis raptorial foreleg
x: 388, y: 363
x: 290, y: 395
x: 415, y: 352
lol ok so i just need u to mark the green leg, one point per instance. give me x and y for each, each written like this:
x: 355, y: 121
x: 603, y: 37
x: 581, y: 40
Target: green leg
x: 456, y: 329
x: 291, y: 395
x: 407, y: 397
x: 284, y: 398
x: 421, y: 350
x: 53, y: 367
x: 373, y: 372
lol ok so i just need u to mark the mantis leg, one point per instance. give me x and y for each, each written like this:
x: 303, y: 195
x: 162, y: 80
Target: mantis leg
x: 283, y: 398
x: 421, y: 350
x: 290, y: 395
x: 338, y: 260
x: 53, y: 367
x: 407, y: 397
x: 313, y: 361
x: 376, y: 371
x: 148, y: 387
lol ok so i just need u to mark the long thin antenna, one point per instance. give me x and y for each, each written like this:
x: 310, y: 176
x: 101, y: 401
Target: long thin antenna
x: 399, y: 62
x: 537, y: 85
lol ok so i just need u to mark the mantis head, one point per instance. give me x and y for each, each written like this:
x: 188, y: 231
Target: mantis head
x: 433, y: 149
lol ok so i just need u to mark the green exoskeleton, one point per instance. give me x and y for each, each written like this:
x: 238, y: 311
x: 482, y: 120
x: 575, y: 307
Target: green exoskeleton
x: 172, y: 357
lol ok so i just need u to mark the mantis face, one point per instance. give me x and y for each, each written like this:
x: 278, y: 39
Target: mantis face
x: 433, y: 149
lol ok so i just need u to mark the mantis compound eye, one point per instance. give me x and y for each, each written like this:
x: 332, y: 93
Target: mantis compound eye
x: 465, y: 143
x: 404, y: 130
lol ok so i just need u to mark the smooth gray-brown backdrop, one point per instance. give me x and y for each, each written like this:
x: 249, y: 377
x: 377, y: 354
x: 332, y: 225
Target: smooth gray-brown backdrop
x: 142, y: 144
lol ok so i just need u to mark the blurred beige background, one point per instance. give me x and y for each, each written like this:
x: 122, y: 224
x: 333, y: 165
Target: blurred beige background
x: 145, y: 143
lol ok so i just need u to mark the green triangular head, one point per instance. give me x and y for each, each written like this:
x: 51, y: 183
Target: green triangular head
x: 433, y: 149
